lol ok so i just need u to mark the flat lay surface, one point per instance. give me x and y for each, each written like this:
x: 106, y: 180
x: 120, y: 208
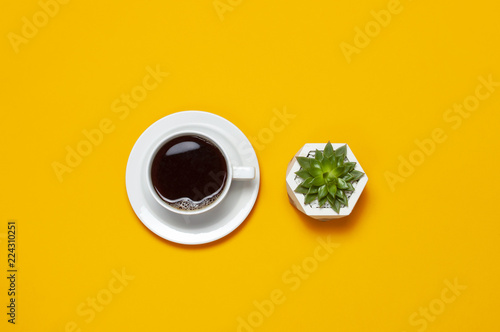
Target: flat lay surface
x: 412, y: 86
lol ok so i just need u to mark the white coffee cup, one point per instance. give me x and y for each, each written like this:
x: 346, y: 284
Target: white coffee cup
x: 236, y: 173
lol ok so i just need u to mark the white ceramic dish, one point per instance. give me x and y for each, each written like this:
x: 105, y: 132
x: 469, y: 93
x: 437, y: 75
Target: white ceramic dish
x: 213, y: 224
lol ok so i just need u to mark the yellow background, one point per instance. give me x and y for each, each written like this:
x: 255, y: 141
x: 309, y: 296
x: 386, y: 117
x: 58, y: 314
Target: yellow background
x: 396, y: 249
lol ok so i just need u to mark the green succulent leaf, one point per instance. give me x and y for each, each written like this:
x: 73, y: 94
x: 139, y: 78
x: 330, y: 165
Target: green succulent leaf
x: 309, y: 198
x: 301, y: 190
x: 341, y: 152
x: 331, y: 199
x: 314, y: 172
x: 335, y: 161
x: 318, y: 155
x: 336, y: 206
x: 308, y: 183
x: 332, y: 189
x: 328, y: 152
x: 315, y: 169
x: 342, y: 197
x: 348, y: 177
x: 356, y: 175
x: 322, y: 191
x: 331, y: 178
x: 350, y: 166
x: 350, y: 187
x: 322, y: 201
x: 341, y: 184
x: 318, y: 181
x: 338, y: 171
x: 328, y: 163
x: 303, y: 174
x: 304, y: 162
x: 313, y: 190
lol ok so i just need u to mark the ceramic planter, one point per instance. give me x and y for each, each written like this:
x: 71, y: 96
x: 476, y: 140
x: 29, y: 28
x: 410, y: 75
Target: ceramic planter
x: 313, y: 210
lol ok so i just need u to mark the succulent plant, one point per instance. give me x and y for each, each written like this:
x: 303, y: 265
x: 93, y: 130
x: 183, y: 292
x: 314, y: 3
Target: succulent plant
x: 327, y: 177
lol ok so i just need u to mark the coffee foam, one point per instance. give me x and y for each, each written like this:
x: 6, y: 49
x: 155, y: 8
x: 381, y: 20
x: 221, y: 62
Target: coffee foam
x: 186, y: 204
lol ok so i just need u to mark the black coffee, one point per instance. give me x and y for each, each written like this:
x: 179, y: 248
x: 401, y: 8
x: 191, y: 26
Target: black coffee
x: 189, y: 172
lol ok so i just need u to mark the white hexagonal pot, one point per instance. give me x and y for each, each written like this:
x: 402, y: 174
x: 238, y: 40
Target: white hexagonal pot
x: 313, y: 210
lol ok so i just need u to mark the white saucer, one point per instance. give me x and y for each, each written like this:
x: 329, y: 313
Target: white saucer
x: 211, y: 225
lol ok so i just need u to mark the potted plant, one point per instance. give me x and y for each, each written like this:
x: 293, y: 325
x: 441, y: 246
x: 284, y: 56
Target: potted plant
x: 325, y: 181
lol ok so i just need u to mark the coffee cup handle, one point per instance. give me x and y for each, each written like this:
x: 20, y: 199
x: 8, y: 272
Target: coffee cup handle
x: 243, y: 173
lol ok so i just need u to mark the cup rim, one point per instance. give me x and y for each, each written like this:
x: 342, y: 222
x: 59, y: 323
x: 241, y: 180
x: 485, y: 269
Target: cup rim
x: 164, y: 204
